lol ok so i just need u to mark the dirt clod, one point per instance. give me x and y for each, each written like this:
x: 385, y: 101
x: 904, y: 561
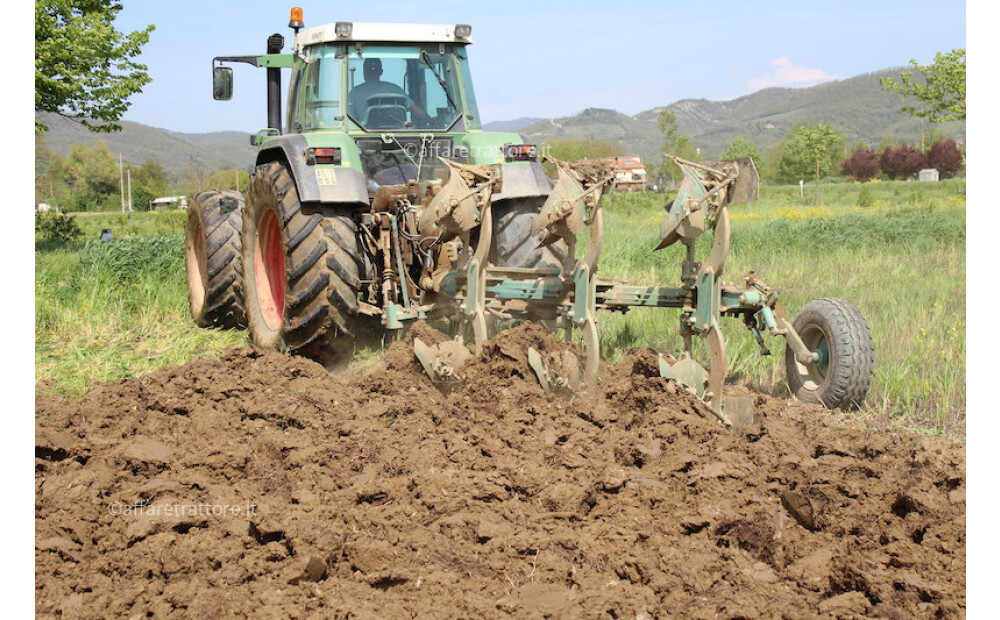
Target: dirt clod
x: 260, y: 485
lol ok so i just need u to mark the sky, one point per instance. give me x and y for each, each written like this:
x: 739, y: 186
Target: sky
x: 551, y: 59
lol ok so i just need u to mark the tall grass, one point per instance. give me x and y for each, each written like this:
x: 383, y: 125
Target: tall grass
x: 109, y: 311
x: 901, y: 263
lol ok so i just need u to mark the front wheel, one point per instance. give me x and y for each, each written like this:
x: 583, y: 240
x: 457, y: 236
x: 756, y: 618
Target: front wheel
x: 836, y: 332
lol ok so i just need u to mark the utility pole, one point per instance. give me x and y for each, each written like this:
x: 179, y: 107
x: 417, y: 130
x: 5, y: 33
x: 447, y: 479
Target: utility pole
x: 129, y: 174
x: 121, y: 182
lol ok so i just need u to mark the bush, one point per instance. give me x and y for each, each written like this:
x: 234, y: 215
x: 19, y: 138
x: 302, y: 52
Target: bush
x: 945, y: 156
x: 58, y: 227
x: 902, y: 162
x: 862, y: 165
x: 865, y: 197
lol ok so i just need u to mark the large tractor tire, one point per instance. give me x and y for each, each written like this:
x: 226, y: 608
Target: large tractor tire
x: 302, y: 269
x: 213, y: 257
x: 836, y: 330
x: 513, y: 243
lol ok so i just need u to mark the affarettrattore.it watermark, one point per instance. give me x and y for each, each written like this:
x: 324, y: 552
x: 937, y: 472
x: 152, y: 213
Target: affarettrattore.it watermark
x: 177, y: 509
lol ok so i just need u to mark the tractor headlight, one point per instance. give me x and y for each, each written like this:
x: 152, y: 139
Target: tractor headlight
x: 463, y: 31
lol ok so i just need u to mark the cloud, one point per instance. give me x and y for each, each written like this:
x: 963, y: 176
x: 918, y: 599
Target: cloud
x: 787, y: 74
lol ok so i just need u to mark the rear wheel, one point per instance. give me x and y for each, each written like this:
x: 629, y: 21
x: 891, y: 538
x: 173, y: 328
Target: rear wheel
x: 301, y: 277
x: 213, y: 259
x: 839, y: 336
x: 513, y: 243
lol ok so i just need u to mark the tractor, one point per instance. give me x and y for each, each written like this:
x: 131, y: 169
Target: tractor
x: 380, y: 201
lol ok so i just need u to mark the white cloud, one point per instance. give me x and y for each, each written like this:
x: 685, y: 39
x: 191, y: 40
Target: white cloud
x: 787, y: 74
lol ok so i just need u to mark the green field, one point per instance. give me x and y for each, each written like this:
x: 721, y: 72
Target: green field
x: 110, y: 311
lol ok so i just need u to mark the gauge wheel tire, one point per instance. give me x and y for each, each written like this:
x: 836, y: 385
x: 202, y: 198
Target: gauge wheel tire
x: 213, y: 258
x: 302, y: 267
x: 513, y: 244
x: 836, y: 330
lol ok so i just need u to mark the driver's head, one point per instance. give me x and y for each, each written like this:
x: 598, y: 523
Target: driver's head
x: 373, y: 69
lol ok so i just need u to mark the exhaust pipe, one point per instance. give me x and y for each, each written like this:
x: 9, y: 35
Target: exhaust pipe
x: 274, y: 44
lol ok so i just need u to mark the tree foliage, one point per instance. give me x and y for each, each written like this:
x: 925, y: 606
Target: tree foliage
x: 902, y: 162
x: 939, y: 91
x: 674, y: 143
x: 741, y: 147
x: 945, y: 156
x: 573, y: 150
x: 58, y: 227
x: 89, y: 179
x: 85, y: 70
x: 810, y: 152
x: 862, y: 165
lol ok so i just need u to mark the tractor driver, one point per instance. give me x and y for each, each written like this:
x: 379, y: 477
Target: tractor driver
x: 373, y: 85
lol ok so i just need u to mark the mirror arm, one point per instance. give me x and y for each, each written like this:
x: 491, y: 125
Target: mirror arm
x: 250, y: 60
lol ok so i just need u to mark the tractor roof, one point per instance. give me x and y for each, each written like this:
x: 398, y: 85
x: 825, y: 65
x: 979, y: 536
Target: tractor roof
x: 382, y: 33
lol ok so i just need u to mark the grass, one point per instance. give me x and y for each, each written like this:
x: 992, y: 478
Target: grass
x: 902, y: 263
x: 113, y: 311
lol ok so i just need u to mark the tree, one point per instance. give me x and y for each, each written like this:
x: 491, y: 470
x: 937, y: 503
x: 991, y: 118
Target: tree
x: 862, y: 165
x: 741, y: 147
x: 573, y: 150
x: 902, y: 162
x: 84, y: 68
x: 940, y: 90
x: 151, y: 176
x: 945, y: 156
x: 230, y: 179
x: 809, y: 152
x: 674, y: 143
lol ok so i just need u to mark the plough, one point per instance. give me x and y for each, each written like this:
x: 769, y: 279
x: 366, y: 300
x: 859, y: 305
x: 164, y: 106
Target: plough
x: 572, y: 297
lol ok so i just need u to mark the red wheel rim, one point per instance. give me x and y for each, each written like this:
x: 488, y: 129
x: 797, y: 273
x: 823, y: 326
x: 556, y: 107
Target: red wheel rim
x: 269, y: 269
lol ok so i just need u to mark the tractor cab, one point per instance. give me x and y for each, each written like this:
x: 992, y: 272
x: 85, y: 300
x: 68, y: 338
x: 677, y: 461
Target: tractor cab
x: 378, y: 78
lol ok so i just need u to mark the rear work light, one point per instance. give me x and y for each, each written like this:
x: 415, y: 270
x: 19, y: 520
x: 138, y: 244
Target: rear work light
x: 520, y: 152
x: 343, y: 29
x: 323, y: 156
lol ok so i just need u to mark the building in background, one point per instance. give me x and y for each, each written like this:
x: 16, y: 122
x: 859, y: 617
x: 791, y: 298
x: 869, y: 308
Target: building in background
x: 168, y: 202
x: 630, y: 172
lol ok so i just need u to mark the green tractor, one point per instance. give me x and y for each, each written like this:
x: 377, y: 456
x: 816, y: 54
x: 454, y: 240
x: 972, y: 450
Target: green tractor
x: 372, y: 111
x: 380, y: 201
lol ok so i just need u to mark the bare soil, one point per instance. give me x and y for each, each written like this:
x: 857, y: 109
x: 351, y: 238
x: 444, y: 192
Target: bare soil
x: 260, y: 485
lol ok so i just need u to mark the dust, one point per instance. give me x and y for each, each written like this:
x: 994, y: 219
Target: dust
x: 260, y: 485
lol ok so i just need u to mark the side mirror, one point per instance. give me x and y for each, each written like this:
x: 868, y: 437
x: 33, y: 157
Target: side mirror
x: 222, y: 83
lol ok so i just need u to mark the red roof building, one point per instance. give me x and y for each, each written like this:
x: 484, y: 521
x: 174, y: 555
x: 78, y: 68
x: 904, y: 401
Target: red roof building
x: 630, y: 172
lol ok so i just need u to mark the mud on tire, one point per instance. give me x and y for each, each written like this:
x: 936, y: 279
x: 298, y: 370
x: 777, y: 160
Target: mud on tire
x: 213, y: 258
x: 841, y: 378
x: 302, y: 272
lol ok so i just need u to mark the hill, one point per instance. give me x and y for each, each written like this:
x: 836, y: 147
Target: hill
x: 513, y: 125
x: 137, y: 142
x: 858, y: 107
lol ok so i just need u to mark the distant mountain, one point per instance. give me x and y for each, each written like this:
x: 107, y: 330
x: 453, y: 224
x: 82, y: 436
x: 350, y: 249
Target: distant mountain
x: 857, y: 107
x: 514, y: 125
x: 636, y: 137
x: 137, y: 143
